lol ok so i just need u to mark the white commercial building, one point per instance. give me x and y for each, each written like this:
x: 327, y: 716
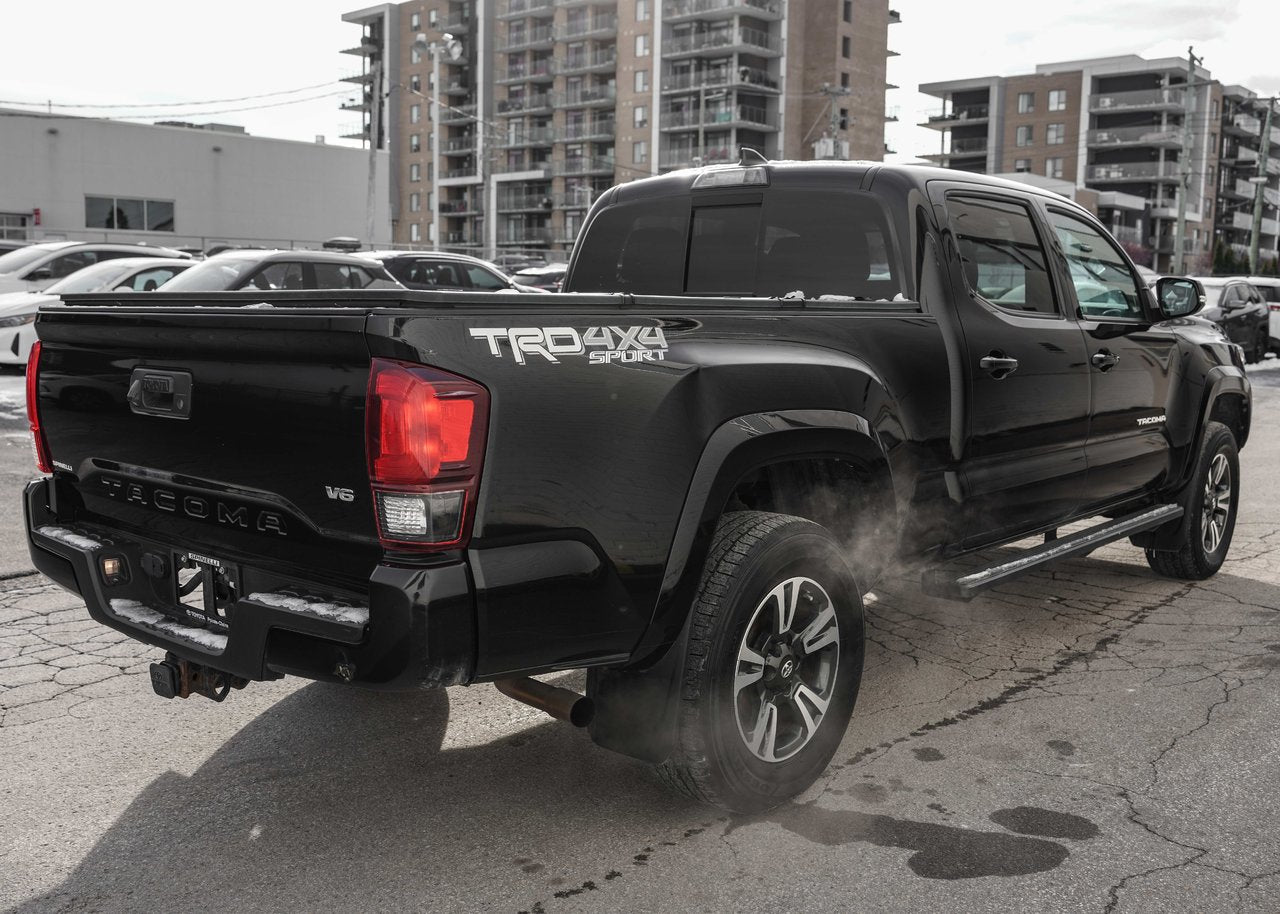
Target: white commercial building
x: 89, y: 179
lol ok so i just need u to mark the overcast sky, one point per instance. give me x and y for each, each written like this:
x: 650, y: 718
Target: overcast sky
x: 147, y: 51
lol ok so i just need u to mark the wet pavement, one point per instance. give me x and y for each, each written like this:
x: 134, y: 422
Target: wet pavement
x: 1090, y: 738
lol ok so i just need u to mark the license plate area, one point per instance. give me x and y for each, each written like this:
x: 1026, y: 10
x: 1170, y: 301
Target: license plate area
x: 205, y: 589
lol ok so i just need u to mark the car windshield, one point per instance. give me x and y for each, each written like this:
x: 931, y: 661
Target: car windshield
x: 22, y: 258
x: 91, y: 279
x: 217, y: 274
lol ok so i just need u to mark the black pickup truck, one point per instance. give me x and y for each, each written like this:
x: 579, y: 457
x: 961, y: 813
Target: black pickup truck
x: 769, y: 380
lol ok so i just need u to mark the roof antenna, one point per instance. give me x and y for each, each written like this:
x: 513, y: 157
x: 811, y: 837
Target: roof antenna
x: 751, y: 156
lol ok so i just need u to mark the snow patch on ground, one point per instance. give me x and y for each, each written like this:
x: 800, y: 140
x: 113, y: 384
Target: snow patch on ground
x: 70, y: 537
x: 334, y: 611
x: 145, y: 616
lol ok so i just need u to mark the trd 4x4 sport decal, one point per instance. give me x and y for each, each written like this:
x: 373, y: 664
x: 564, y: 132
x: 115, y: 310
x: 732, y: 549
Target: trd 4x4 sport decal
x: 601, y: 345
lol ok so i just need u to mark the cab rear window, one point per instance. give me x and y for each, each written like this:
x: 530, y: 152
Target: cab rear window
x: 813, y: 242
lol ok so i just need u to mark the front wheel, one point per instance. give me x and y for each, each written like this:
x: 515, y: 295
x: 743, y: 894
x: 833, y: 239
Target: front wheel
x: 772, y: 667
x: 1210, y: 504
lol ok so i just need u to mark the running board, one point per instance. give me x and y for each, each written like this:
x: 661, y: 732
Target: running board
x: 964, y: 584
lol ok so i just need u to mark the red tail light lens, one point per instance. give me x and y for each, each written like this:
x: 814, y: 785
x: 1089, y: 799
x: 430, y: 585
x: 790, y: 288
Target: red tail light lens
x: 425, y: 443
x: 43, y: 461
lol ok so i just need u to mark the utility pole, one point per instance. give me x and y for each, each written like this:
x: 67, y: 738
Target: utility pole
x: 375, y: 130
x: 1260, y: 189
x: 833, y: 129
x: 1184, y: 163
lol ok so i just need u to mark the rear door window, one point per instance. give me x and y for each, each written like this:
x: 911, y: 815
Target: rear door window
x: 340, y: 276
x: 635, y: 247
x: 484, y: 280
x: 275, y: 276
x: 1002, y: 255
x: 70, y: 263
x: 149, y: 280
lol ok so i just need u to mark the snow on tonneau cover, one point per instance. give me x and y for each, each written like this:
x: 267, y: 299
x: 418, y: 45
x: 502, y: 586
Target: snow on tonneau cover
x: 234, y: 430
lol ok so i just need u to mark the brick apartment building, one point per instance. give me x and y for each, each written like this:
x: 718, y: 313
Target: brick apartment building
x: 509, y: 117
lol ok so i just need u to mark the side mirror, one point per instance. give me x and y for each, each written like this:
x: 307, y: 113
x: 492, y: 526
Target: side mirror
x: 39, y: 275
x: 1178, y: 297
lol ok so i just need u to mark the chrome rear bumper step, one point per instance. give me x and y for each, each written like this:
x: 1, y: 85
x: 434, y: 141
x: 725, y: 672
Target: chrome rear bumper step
x: 952, y: 583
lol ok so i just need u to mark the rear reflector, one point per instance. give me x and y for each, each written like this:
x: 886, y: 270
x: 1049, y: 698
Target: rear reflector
x: 38, y: 441
x: 425, y: 443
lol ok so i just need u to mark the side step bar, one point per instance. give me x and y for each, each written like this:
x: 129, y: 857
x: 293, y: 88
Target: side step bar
x: 964, y: 584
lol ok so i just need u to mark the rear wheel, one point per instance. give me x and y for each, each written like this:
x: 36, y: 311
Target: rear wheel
x: 773, y: 664
x: 1210, y: 504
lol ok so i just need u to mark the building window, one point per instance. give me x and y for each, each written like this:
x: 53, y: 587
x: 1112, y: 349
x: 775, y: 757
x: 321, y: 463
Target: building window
x: 415, y: 55
x: 1057, y: 99
x: 128, y: 213
x: 415, y: 202
x: 640, y: 152
x: 846, y: 47
x: 847, y: 11
x: 415, y: 171
x: 642, y: 45
x: 433, y: 18
x: 415, y: 113
x: 1053, y: 167
x: 415, y: 142
x: 415, y: 233
x: 1021, y: 165
x: 1024, y: 135
x: 415, y: 83
x: 642, y: 80
x: 415, y: 21
x: 844, y: 80
x: 642, y: 10
x: 1055, y: 134
x: 641, y: 116
x: 1026, y: 102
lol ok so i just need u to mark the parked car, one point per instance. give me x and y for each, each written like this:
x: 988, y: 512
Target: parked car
x: 269, y: 271
x: 1269, y: 288
x: 38, y: 266
x: 18, y: 309
x: 548, y: 277
x: 1240, y: 310
x: 515, y: 262
x: 11, y: 244
x: 440, y: 270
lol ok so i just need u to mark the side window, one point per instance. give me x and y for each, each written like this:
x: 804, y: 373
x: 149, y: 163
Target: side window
x: 340, y: 276
x: 1104, y: 285
x: 484, y: 280
x: 634, y: 247
x: 69, y: 263
x: 277, y: 276
x: 1003, y: 258
x: 148, y: 280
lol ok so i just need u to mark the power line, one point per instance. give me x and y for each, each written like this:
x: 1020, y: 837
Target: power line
x: 211, y: 101
x: 181, y: 114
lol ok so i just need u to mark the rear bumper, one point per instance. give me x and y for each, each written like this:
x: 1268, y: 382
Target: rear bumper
x: 413, y: 628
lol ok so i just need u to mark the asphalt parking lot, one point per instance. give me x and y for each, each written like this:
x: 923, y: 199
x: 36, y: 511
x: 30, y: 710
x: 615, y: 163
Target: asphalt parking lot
x: 1090, y: 738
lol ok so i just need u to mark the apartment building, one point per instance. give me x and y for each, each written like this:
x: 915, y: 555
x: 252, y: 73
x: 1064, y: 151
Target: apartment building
x: 506, y: 119
x: 1133, y: 130
x: 1248, y: 167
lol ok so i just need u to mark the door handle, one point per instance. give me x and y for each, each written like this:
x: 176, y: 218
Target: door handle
x: 997, y: 364
x: 1104, y: 360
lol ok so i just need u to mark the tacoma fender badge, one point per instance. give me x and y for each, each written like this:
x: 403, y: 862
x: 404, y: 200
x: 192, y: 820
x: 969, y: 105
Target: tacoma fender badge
x: 1151, y: 420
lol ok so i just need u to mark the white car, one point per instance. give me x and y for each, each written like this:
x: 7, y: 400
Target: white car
x: 1269, y: 286
x: 132, y: 274
x: 38, y: 266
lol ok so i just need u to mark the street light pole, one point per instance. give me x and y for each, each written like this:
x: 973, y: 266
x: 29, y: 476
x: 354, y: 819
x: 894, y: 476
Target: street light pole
x: 375, y: 129
x: 1258, y: 191
x: 1184, y: 164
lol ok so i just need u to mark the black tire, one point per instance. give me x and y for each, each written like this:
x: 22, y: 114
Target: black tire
x: 1201, y: 553
x: 754, y: 557
x: 1261, y: 343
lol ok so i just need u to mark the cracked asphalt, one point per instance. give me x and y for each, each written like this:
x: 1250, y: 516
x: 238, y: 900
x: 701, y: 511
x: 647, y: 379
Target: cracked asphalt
x: 1091, y: 738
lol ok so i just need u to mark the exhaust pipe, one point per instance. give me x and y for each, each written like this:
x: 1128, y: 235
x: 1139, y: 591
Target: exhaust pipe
x: 559, y: 703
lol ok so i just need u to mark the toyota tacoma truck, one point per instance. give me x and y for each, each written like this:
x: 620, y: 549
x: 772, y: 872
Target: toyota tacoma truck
x: 762, y: 383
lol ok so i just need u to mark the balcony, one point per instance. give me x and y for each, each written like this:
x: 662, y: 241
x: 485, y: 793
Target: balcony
x: 458, y: 25
x: 602, y: 59
x: 463, y: 175
x: 597, y: 27
x: 527, y: 38
x: 524, y: 203
x: 531, y: 235
x: 532, y: 136
x: 354, y: 131
x: 522, y: 71
x: 1168, y: 138
x: 895, y: 17
x: 1142, y: 100
x: 526, y: 104
x: 583, y: 165
x: 1136, y: 172
x: 721, y: 42
x: 458, y: 85
x: 589, y: 96
x: 468, y: 206
x: 745, y: 77
x: 1129, y: 233
x: 746, y: 116
x: 357, y: 77
x: 969, y: 146
x: 462, y: 146
x: 513, y: 8
x: 684, y: 157
x: 457, y: 114
x: 678, y: 10
x: 592, y: 130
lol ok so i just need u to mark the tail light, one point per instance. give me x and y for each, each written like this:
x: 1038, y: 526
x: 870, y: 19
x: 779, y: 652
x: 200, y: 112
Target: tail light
x: 425, y: 444
x: 38, y: 441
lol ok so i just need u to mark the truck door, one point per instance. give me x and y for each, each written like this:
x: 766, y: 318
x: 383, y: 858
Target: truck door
x: 1130, y: 363
x: 1027, y: 405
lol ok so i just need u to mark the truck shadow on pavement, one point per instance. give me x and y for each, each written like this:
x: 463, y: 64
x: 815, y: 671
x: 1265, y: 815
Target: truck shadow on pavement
x: 339, y: 798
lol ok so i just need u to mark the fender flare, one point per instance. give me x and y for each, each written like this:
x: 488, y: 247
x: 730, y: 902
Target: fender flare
x: 636, y: 706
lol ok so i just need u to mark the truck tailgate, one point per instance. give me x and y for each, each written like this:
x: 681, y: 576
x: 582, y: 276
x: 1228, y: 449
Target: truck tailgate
x: 236, y: 431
